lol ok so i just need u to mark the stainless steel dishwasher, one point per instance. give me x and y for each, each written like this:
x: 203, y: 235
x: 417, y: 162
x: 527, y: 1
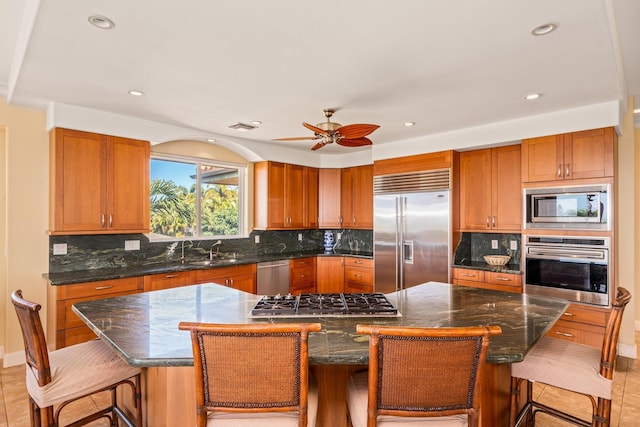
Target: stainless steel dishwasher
x: 273, y: 277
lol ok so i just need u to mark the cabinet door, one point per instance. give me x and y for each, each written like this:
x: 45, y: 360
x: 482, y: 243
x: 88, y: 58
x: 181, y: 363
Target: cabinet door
x: 330, y: 274
x: 506, y: 198
x: 475, y: 190
x: 127, y: 185
x: 542, y: 158
x: 347, y: 212
x: 268, y: 201
x: 329, y: 193
x: 589, y: 154
x: 302, y: 277
x: 78, y: 186
x: 243, y: 282
x: 362, y: 197
x: 294, y: 196
x: 311, y: 198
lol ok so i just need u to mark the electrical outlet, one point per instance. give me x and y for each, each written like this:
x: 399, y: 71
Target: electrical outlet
x: 338, y: 236
x: 257, y: 238
x: 300, y: 237
x: 494, y: 244
x: 59, y: 248
x: 132, y: 245
x: 513, y: 245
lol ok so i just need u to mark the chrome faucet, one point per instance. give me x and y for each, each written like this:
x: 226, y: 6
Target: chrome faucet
x: 219, y: 242
x: 182, y: 249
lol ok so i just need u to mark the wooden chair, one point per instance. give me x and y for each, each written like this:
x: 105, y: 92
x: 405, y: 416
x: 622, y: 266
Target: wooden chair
x: 254, y: 374
x: 60, y: 377
x: 429, y: 374
x: 574, y: 367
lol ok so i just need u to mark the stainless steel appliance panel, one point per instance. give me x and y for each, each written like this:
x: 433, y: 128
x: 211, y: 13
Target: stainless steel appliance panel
x: 411, y: 239
x: 272, y: 277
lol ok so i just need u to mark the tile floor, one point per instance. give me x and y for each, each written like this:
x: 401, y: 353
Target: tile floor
x: 625, y: 412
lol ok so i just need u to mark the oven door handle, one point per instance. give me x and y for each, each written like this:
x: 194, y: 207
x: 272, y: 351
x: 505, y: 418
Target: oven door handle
x: 576, y: 255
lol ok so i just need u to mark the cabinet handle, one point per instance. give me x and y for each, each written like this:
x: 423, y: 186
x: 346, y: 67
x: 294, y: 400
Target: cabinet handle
x: 468, y: 275
x: 170, y: 276
x: 302, y: 276
x: 231, y: 280
x: 358, y: 275
x: 487, y: 222
x: 493, y: 222
x: 102, y: 221
x: 357, y: 262
x: 567, y: 170
x: 354, y: 221
x: 564, y: 334
x: 110, y: 221
x: 568, y: 314
x: 504, y: 279
x: 559, y: 171
x: 102, y: 288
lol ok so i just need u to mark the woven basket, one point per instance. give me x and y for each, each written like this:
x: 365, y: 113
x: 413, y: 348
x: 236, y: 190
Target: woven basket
x: 496, y: 259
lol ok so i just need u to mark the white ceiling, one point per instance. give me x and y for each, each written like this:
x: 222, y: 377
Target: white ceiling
x: 448, y: 66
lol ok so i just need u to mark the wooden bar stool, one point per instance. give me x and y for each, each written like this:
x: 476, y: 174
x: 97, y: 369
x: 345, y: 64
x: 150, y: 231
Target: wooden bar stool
x: 58, y: 378
x: 570, y: 366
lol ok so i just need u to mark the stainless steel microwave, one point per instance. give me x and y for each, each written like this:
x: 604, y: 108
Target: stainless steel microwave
x: 569, y: 208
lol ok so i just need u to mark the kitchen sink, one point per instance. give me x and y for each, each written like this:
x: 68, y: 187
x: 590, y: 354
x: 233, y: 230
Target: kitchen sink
x: 204, y: 263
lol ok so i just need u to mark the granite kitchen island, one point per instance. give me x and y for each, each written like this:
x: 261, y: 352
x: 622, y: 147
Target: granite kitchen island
x: 143, y: 329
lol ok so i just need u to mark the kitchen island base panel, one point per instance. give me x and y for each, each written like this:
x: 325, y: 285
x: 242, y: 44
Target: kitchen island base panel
x: 170, y: 399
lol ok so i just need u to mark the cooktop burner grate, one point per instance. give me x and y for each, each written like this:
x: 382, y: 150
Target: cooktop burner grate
x: 357, y: 304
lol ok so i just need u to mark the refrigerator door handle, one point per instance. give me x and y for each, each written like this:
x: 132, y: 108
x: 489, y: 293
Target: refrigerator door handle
x: 407, y: 251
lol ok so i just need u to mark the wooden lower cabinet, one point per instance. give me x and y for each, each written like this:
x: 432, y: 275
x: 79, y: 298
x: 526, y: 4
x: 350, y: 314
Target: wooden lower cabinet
x: 64, y: 328
x: 496, y: 281
x: 241, y: 277
x: 581, y: 324
x: 358, y: 275
x: 156, y: 282
x: 302, y: 275
x: 330, y: 274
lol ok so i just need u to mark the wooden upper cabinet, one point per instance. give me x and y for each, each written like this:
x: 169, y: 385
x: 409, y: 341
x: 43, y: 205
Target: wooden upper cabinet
x: 490, y: 190
x: 311, y: 179
x: 576, y: 155
x: 99, y: 184
x: 329, y: 194
x: 346, y: 197
x: 281, y: 196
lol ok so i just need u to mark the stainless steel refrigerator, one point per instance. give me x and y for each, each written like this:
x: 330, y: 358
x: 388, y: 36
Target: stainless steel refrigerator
x: 412, y: 229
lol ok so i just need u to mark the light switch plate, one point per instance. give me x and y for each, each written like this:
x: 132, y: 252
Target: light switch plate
x: 257, y: 238
x: 59, y: 248
x: 132, y: 245
x: 514, y: 245
x: 299, y: 237
x: 494, y: 244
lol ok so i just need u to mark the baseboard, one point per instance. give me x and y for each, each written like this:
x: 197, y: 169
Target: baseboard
x: 13, y: 359
x: 627, y: 350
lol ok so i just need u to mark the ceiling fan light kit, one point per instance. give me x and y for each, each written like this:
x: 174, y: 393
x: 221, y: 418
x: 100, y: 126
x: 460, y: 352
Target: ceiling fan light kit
x: 331, y: 132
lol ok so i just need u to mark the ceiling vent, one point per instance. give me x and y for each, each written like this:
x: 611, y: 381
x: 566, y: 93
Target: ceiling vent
x: 242, y: 127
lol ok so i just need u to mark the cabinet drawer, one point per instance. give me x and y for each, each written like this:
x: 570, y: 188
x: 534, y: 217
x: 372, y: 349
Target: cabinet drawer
x: 358, y: 262
x: 96, y: 289
x: 578, y: 332
x: 355, y: 275
x: 221, y: 272
x: 167, y: 280
x: 504, y: 280
x: 303, y: 274
x: 468, y: 275
x: 302, y: 262
x: 591, y: 316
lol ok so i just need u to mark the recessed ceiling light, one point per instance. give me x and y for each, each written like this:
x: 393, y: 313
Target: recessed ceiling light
x: 636, y: 111
x: 136, y: 93
x: 256, y: 122
x: 409, y: 124
x: 211, y: 140
x: 532, y: 96
x: 543, y: 29
x: 101, y: 22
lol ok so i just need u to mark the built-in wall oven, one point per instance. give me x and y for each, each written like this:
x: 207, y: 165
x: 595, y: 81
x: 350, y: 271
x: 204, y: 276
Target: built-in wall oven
x: 573, y: 268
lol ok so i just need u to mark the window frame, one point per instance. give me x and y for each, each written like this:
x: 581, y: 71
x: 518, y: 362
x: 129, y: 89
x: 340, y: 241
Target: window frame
x: 198, y: 162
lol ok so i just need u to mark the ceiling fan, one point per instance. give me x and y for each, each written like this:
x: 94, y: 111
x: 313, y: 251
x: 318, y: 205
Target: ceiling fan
x: 329, y: 132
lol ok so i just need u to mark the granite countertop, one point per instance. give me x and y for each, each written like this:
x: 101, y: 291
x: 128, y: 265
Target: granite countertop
x: 481, y: 265
x: 92, y: 275
x: 143, y: 328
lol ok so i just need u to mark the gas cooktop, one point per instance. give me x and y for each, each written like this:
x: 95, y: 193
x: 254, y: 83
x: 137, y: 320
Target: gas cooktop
x: 311, y: 305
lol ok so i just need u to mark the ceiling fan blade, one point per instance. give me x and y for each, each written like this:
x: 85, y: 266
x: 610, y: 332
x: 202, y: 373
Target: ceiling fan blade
x: 354, y: 142
x: 315, y: 129
x: 319, y: 145
x: 356, y: 130
x: 299, y: 138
